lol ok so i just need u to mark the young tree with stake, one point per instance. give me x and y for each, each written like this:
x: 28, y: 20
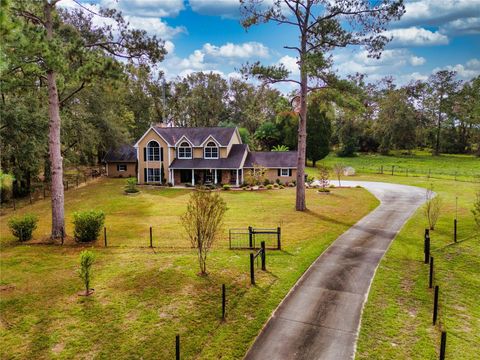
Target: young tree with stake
x: 322, y: 26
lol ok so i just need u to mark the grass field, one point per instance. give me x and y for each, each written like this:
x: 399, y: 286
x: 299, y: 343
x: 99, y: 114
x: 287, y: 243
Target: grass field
x: 397, y: 320
x: 143, y: 297
x: 418, y: 164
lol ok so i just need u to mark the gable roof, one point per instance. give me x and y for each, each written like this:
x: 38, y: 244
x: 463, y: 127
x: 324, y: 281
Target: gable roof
x: 123, y: 153
x: 272, y: 159
x: 196, y: 135
x: 233, y: 161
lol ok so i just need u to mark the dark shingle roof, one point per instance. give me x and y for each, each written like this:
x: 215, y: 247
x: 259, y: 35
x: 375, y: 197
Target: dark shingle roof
x: 123, y: 153
x: 234, y: 160
x: 196, y: 135
x: 272, y: 159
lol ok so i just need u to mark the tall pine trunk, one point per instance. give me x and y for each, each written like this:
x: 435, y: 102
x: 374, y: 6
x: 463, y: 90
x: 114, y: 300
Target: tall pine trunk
x: 300, y: 204
x: 54, y: 145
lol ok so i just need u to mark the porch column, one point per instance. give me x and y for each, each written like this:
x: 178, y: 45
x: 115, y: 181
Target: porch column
x: 237, y: 179
x: 215, y: 181
x: 172, y: 177
x: 242, y: 176
x: 193, y: 177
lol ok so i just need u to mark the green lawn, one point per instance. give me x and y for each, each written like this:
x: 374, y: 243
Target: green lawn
x: 397, y: 320
x: 143, y: 297
x: 461, y: 167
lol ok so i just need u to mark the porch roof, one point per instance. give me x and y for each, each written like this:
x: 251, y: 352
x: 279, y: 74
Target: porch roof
x: 233, y: 161
x: 272, y: 159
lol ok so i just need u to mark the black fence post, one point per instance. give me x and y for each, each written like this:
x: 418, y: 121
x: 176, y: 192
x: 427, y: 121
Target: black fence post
x: 63, y: 235
x: 44, y: 193
x: 427, y: 246
x: 279, y: 242
x: 177, y: 347
x: 435, y: 305
x: 30, y: 197
x: 66, y: 182
x: 14, y: 206
x: 105, y: 235
x: 224, y: 301
x: 443, y: 345
x: 455, y: 230
x: 430, y: 278
x: 151, y: 238
x: 76, y: 180
x: 250, y: 237
x: 252, y: 270
x: 381, y: 169
x: 264, y: 266
x: 393, y: 168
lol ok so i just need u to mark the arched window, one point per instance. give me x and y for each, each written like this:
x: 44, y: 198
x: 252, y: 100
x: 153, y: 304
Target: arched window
x: 211, y: 151
x: 184, y: 151
x: 153, y: 151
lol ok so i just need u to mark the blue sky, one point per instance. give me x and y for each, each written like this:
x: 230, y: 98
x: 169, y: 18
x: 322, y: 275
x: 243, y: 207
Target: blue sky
x: 205, y: 35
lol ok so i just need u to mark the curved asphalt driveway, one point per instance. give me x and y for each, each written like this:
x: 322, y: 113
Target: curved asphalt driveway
x: 320, y: 316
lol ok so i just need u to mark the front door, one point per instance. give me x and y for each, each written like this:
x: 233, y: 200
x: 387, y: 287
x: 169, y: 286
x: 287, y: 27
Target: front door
x: 209, y: 175
x: 185, y: 176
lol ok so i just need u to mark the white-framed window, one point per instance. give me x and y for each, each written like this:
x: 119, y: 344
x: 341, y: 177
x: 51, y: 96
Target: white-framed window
x: 211, y: 151
x: 121, y: 167
x: 153, y: 175
x: 184, y: 151
x: 153, y: 151
x: 284, y: 172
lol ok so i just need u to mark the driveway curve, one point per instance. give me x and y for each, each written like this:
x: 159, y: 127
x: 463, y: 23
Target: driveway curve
x: 320, y: 316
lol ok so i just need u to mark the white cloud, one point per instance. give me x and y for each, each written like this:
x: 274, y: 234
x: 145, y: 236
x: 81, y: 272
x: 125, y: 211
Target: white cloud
x: 417, y: 60
x: 415, y: 36
x: 243, y: 51
x: 466, y: 72
x: 155, y: 26
x: 469, y: 26
x: 437, y: 12
x: 290, y: 64
x: 146, y: 8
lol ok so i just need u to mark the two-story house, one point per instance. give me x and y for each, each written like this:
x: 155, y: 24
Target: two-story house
x: 213, y: 155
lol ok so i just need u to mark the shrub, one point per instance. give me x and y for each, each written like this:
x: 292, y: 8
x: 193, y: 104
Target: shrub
x: 269, y: 186
x: 310, y: 178
x: 278, y: 181
x: 476, y: 208
x: 323, y: 190
x: 88, y: 224
x: 291, y: 185
x: 266, y: 182
x: 188, y: 185
x: 131, y: 185
x: 432, y: 208
x: 226, y: 187
x: 331, y: 186
x: 23, y: 227
x: 275, y: 186
x: 87, y: 258
x: 261, y: 187
x: 282, y: 187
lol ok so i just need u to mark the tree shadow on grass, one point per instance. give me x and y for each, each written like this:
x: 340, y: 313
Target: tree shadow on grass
x: 326, y: 218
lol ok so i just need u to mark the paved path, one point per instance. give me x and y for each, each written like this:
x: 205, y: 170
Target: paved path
x: 320, y: 316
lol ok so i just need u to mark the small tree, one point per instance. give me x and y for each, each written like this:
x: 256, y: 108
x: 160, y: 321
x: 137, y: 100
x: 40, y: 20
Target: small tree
x: 432, y: 207
x: 324, y: 175
x: 202, y: 222
x: 87, y: 258
x: 338, y: 169
x: 476, y: 208
x: 131, y: 185
x: 256, y: 175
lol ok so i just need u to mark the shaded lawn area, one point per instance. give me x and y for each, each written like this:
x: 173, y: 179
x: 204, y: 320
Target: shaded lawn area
x: 143, y: 297
x: 397, y: 319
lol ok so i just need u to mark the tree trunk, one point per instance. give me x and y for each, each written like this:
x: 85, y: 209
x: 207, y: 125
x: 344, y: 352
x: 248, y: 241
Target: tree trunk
x: 302, y: 135
x: 54, y: 145
x: 439, y: 128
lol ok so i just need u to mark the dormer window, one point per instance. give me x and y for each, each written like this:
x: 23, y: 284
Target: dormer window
x: 184, y: 151
x: 211, y: 151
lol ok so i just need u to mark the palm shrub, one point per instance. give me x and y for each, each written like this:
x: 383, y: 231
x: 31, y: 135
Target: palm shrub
x: 88, y: 224
x: 23, y: 227
x: 131, y: 185
x: 87, y: 258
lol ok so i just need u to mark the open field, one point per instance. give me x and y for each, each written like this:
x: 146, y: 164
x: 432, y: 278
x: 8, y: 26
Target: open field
x: 143, y: 297
x: 419, y: 164
x: 397, y: 320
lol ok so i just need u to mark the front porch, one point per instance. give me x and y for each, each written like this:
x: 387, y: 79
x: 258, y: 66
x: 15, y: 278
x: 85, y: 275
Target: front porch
x: 196, y: 177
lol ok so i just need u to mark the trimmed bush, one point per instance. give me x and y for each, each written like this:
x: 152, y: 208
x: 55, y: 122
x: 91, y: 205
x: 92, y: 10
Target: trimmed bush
x: 131, y: 185
x: 23, y: 227
x: 88, y: 224
x: 269, y: 186
x: 282, y: 187
x: 275, y: 186
x: 266, y: 182
x: 169, y: 184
